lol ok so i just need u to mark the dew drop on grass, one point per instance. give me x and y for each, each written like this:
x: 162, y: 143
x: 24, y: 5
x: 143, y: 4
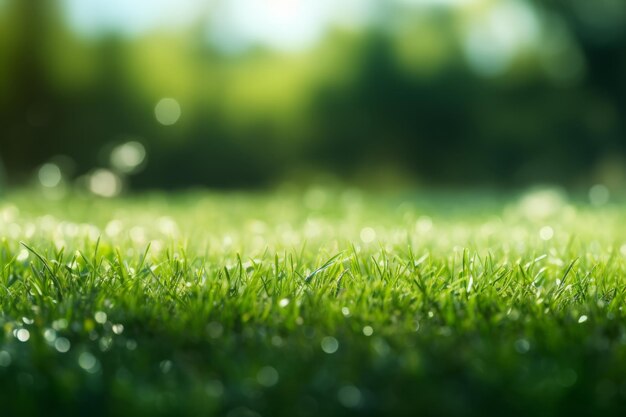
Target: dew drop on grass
x: 330, y: 345
x: 583, y: 319
x: 345, y: 311
x: 284, y: 302
x: 118, y: 328
x: 368, y: 330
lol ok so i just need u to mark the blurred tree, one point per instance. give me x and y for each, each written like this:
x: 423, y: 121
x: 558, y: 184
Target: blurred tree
x: 379, y: 99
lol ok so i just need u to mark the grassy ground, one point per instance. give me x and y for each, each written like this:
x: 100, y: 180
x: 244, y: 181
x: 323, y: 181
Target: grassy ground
x: 319, y: 303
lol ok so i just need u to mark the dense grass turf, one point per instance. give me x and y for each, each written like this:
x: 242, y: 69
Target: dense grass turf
x: 316, y: 303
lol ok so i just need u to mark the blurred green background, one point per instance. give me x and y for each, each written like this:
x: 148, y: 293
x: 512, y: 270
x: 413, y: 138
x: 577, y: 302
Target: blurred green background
x: 114, y: 95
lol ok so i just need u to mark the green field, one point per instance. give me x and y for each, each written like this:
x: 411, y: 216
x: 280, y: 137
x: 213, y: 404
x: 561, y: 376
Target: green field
x: 318, y: 303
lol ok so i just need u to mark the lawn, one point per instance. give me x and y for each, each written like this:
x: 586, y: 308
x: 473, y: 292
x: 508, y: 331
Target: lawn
x: 318, y: 303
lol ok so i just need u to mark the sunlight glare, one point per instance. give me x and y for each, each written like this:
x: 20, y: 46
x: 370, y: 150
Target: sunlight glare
x: 285, y: 25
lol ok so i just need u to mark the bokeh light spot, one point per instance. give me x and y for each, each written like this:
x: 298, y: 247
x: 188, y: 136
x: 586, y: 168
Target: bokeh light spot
x: 349, y: 396
x: 546, y: 233
x: 23, y: 335
x: 105, y: 183
x: 167, y: 111
x: 88, y: 362
x: 62, y: 345
x: 50, y: 175
x: 599, y: 195
x: 267, y: 376
x: 128, y: 157
x: 368, y: 235
x: 330, y: 345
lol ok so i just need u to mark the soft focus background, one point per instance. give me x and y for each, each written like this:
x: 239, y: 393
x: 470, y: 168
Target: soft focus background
x: 112, y: 95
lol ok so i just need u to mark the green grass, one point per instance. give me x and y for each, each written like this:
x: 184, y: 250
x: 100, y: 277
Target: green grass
x: 328, y: 302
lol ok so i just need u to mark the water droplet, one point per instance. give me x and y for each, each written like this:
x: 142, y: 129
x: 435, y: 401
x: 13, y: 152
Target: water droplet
x: 368, y: 330
x: 582, y: 319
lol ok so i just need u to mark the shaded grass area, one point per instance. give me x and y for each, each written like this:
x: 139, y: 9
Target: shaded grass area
x: 325, y: 302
